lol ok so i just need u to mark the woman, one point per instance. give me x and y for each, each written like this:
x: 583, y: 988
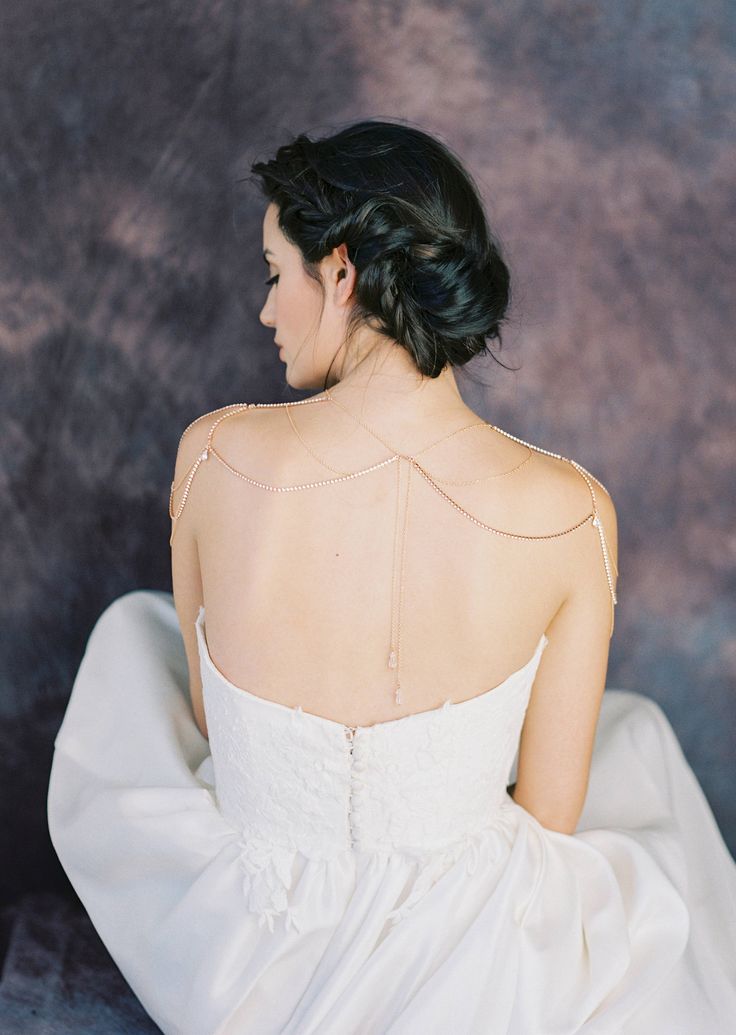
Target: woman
x: 315, y: 831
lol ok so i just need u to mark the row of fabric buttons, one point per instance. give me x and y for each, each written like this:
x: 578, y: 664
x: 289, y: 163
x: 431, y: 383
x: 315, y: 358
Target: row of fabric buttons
x: 350, y: 737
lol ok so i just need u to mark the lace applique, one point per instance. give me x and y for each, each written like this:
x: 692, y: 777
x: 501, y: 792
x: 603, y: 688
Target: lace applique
x: 267, y: 875
x: 267, y: 871
x: 424, y: 786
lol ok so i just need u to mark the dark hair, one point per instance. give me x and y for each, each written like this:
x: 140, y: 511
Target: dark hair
x: 430, y: 274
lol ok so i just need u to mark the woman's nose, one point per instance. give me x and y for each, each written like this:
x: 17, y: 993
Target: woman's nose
x: 265, y: 316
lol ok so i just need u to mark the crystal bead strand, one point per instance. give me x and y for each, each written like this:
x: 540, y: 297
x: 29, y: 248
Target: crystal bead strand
x: 394, y: 651
x: 593, y: 517
x: 210, y: 450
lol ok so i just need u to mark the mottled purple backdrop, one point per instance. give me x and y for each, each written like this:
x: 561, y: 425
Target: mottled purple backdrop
x: 602, y: 137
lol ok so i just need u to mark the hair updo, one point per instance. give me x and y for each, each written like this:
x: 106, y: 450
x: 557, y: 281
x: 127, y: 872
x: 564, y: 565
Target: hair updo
x: 430, y: 275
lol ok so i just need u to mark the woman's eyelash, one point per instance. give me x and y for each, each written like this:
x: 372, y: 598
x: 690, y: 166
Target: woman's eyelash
x: 272, y: 280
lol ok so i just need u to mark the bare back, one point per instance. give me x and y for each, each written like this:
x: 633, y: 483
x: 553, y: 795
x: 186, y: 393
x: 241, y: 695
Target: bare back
x: 303, y: 587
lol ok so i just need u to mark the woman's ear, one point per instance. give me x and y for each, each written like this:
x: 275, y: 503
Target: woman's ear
x: 346, y: 273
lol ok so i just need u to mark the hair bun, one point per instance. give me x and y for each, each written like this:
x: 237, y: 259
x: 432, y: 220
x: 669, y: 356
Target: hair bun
x: 430, y: 275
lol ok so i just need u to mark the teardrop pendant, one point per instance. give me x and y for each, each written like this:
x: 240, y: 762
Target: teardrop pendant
x: 398, y: 695
x: 392, y: 659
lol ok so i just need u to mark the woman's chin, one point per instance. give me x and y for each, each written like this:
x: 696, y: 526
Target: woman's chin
x: 302, y: 383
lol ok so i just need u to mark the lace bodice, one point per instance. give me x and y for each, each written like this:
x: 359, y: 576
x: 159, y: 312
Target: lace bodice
x: 427, y: 785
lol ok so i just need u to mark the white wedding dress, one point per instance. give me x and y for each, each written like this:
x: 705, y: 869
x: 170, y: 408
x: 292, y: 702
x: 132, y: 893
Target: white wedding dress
x: 293, y: 875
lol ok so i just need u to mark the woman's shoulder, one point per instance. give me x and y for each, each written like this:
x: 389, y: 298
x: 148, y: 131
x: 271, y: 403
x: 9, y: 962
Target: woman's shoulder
x: 557, y: 491
x: 240, y: 433
x: 578, y: 514
x: 200, y: 426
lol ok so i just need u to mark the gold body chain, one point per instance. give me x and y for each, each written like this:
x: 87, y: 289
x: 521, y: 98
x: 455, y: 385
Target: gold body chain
x: 394, y: 656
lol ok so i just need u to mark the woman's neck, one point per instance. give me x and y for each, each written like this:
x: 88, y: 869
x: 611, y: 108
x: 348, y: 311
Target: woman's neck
x: 388, y: 388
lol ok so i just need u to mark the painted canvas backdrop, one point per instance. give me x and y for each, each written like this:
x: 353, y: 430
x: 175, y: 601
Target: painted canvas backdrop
x: 602, y: 138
